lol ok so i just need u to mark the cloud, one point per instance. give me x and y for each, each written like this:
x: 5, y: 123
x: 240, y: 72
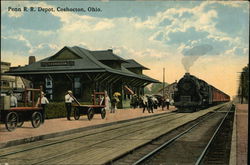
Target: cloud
x: 15, y: 14
x: 239, y: 51
x: 186, y: 36
x: 8, y: 56
x: 28, y: 20
x: 165, y: 22
x: 15, y: 44
x: 231, y: 22
x: 154, y: 34
x: 44, y: 50
x: 200, y: 25
x: 24, y: 22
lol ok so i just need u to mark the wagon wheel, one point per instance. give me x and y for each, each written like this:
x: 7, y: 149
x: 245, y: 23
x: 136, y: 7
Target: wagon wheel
x: 11, y: 121
x: 36, y: 119
x: 20, y: 122
x: 90, y: 113
x: 76, y: 114
x: 103, y: 113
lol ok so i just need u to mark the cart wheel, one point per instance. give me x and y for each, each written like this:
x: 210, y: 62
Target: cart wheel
x: 20, y: 122
x: 36, y: 119
x: 90, y: 113
x: 76, y: 114
x: 11, y: 121
x: 103, y: 113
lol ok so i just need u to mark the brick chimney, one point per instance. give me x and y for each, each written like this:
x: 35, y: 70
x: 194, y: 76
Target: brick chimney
x: 110, y: 50
x: 32, y: 59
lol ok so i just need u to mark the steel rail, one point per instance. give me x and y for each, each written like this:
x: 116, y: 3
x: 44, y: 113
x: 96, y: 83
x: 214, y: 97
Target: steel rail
x: 81, y: 148
x: 62, y: 141
x: 172, y: 140
x: 212, y: 139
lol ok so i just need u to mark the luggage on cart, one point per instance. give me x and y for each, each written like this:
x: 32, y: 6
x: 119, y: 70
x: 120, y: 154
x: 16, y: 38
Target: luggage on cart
x: 14, y: 117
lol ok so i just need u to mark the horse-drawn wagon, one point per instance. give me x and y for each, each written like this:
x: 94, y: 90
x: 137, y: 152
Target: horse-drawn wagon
x: 14, y: 117
x: 98, y: 107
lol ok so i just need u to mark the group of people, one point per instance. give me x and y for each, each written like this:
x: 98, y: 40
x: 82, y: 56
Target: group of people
x: 69, y: 99
x: 145, y: 102
x: 149, y: 102
x: 42, y: 102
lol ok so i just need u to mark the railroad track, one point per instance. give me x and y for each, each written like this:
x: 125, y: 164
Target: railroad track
x: 218, y: 150
x: 167, y: 149
x: 82, y: 136
x: 97, y: 146
x: 115, y: 132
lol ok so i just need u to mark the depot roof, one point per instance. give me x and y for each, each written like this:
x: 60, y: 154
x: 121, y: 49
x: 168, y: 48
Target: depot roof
x: 106, y: 55
x: 77, y: 60
x: 133, y: 64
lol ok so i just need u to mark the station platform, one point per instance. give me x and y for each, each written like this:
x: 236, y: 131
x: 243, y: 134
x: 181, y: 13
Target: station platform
x: 61, y: 126
x: 239, y: 145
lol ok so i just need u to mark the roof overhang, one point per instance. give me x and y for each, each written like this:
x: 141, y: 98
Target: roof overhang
x: 51, y: 72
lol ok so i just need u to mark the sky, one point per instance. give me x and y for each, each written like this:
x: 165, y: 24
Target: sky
x: 209, y: 39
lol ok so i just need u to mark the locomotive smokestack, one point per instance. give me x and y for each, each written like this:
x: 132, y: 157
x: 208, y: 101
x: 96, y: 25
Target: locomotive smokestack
x: 187, y: 74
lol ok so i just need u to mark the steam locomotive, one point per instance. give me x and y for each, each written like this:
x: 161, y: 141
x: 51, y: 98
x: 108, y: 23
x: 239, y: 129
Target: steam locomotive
x: 193, y: 94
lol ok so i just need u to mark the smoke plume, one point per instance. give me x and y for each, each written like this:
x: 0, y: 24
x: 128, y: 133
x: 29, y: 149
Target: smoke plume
x: 191, y: 55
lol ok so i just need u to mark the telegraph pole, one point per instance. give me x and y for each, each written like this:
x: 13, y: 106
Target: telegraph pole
x: 163, y: 90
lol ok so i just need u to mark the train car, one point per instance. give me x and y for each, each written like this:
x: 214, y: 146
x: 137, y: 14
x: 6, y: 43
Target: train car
x: 193, y: 94
x: 218, y: 96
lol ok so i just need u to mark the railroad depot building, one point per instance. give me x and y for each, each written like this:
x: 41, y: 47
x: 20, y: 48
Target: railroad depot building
x: 11, y: 83
x: 84, y: 71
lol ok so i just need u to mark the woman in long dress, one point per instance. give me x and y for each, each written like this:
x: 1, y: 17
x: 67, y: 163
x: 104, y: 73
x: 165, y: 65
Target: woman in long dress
x: 107, y: 101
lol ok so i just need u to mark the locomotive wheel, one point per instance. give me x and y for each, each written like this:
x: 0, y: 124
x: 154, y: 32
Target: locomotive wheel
x: 11, y: 121
x: 103, y: 113
x: 90, y: 113
x: 76, y: 114
x: 36, y: 119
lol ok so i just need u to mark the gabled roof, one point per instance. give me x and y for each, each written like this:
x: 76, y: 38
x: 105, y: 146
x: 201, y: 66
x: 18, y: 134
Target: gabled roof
x: 58, y: 54
x: 133, y: 64
x: 106, y: 55
x: 85, y: 62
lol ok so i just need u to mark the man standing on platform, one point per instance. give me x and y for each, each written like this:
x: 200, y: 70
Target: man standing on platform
x: 167, y: 103
x: 68, y: 103
x: 13, y: 100
x: 44, y: 101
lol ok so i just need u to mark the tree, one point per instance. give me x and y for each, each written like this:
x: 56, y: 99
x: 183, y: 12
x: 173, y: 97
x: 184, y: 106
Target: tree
x: 244, y: 84
x: 154, y: 89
